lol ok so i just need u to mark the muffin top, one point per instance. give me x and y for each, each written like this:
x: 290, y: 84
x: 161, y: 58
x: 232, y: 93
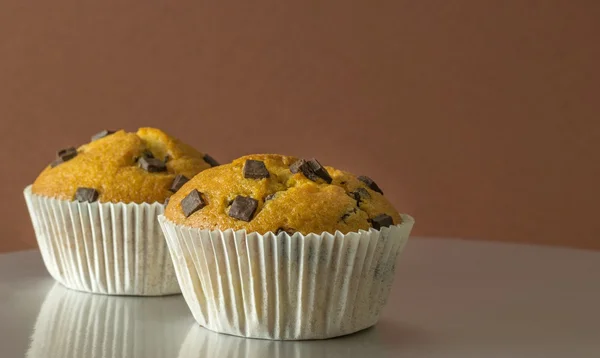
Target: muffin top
x: 143, y: 167
x: 262, y: 193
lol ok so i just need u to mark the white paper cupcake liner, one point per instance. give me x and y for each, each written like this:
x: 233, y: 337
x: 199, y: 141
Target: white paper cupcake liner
x: 74, y: 324
x: 108, y: 248
x: 285, y: 287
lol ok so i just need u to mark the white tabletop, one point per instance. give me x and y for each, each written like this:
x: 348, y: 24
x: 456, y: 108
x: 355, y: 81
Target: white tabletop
x: 450, y: 299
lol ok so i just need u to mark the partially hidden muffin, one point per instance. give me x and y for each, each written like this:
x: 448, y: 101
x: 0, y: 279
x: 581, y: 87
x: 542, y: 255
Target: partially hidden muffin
x: 94, y: 210
x: 274, y: 193
x: 122, y: 167
x: 276, y: 247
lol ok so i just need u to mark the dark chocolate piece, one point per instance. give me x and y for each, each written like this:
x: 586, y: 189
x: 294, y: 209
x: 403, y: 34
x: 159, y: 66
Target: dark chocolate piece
x: 64, y: 155
x: 152, y: 165
x: 319, y: 170
x: 370, y: 183
x: 102, y: 134
x: 243, y: 208
x: 178, y: 182
x: 361, y: 194
x: 382, y: 220
x: 306, y: 169
x: 167, y: 158
x: 145, y: 154
x: 210, y: 160
x: 302, y: 166
x: 86, y: 194
x: 311, y: 169
x: 295, y: 167
x: 192, y: 203
x: 255, y: 169
x: 270, y: 196
x: 67, y: 153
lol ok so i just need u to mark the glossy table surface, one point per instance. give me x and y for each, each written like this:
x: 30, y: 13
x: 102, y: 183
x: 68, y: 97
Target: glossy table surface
x: 451, y: 298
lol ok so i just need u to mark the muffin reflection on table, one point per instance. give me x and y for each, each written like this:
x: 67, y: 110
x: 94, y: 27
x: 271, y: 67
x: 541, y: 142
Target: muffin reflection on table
x: 94, y: 211
x: 74, y: 324
x: 276, y: 247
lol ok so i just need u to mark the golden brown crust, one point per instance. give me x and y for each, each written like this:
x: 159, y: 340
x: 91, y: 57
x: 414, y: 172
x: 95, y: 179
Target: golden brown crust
x: 109, y: 166
x: 299, y: 204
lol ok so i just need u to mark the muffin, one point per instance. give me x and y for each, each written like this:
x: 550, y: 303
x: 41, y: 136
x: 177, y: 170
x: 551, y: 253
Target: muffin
x: 94, y: 211
x: 276, y: 247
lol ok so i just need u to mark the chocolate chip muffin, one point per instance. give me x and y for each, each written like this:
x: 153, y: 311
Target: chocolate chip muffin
x: 94, y: 211
x: 274, y: 193
x: 146, y: 166
x: 328, y: 270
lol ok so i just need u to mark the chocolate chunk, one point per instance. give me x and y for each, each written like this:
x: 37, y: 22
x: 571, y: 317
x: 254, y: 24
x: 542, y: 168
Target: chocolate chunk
x: 289, y: 231
x: 303, y: 167
x: 210, y: 160
x: 102, y: 134
x: 319, y: 170
x: 167, y: 158
x: 64, y: 155
x: 243, y: 208
x: 295, y: 167
x: 178, y: 182
x: 307, y: 171
x: 67, y: 153
x: 86, y: 194
x: 382, y: 220
x: 145, y: 154
x: 270, y: 196
x: 311, y: 169
x: 370, y: 183
x: 152, y: 165
x: 167, y: 201
x: 255, y: 169
x: 192, y: 203
x: 361, y: 194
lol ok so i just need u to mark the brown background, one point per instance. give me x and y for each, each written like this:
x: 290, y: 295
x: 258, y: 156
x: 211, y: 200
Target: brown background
x: 480, y: 118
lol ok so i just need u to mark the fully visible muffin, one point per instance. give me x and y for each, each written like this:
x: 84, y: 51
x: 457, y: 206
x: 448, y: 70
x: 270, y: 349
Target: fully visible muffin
x: 94, y: 211
x: 276, y: 247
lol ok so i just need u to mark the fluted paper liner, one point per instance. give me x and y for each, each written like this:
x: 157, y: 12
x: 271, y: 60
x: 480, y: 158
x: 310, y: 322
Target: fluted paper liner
x: 74, y: 324
x: 285, y: 287
x: 108, y: 248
